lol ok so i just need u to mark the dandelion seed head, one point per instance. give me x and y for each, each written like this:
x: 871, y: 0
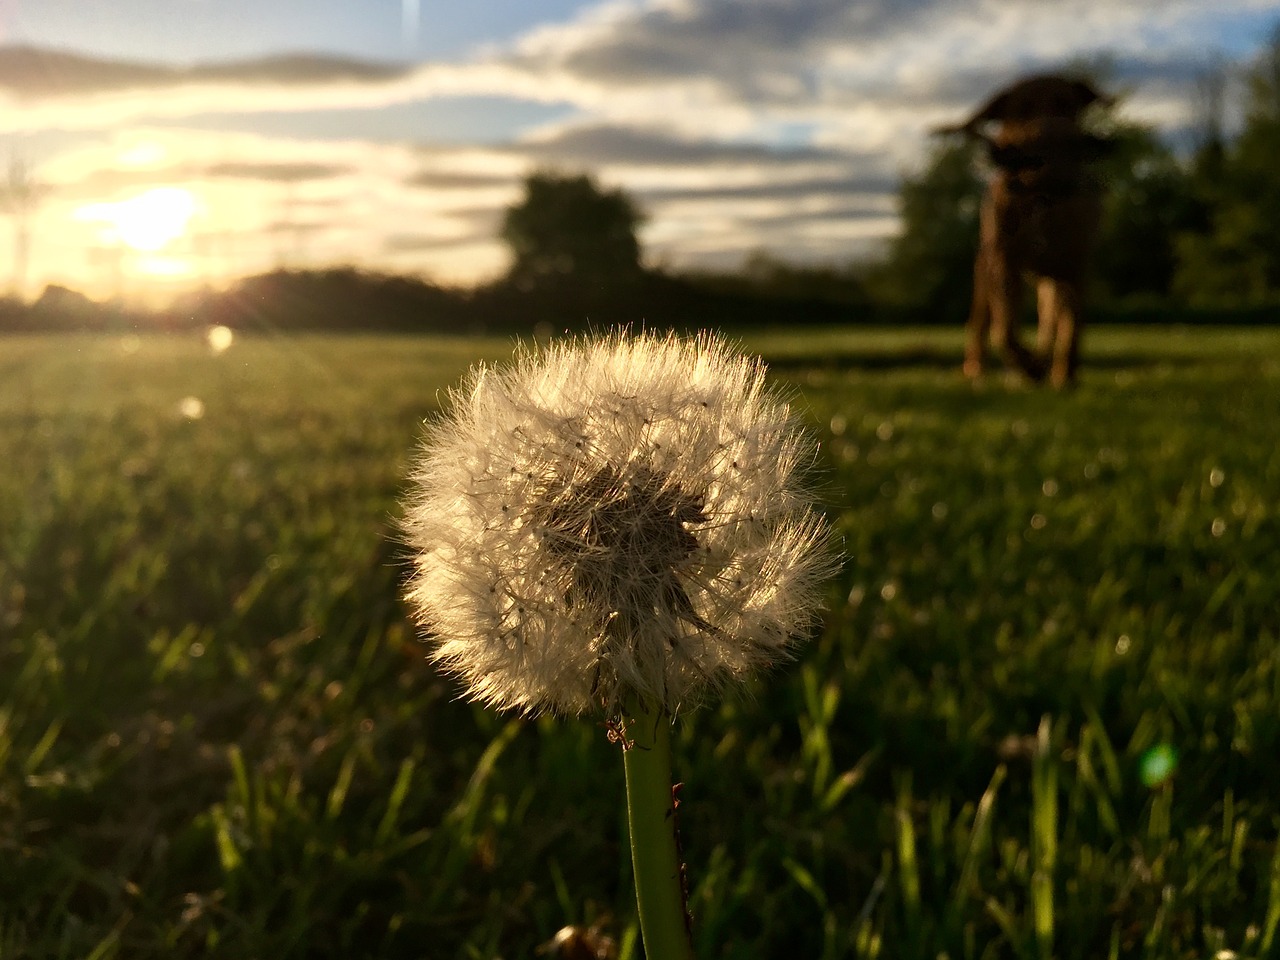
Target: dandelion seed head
x: 614, y: 517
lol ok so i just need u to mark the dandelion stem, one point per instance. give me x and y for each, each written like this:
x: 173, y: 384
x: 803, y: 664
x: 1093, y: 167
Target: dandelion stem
x: 652, y: 818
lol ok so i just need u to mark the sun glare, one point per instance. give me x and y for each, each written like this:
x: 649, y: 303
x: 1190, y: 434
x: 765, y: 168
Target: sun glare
x: 147, y: 222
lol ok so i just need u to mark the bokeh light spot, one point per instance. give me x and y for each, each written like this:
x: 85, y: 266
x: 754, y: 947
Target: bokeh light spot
x: 220, y: 338
x: 1158, y: 765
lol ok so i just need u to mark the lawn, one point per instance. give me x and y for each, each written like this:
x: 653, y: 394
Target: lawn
x: 1040, y: 719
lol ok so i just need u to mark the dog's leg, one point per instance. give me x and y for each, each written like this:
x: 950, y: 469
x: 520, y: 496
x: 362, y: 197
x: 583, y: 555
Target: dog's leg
x: 1047, y: 315
x: 1005, y: 299
x: 1066, y: 341
x: 975, y: 344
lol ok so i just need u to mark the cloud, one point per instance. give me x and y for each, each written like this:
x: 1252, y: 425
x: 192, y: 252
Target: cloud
x: 594, y: 144
x: 31, y: 73
x: 720, y: 69
x: 275, y: 172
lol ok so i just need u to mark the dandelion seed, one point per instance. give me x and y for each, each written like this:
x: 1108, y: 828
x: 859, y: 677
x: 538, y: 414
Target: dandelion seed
x: 614, y: 518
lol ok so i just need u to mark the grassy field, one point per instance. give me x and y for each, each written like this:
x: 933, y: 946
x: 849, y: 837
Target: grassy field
x: 1042, y: 718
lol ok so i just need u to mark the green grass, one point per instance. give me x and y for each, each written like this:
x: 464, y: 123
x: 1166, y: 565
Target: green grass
x: 218, y: 735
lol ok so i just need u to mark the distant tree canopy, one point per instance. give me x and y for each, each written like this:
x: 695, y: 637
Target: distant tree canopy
x: 566, y: 229
x: 932, y: 257
x: 1235, y: 258
x: 1197, y: 230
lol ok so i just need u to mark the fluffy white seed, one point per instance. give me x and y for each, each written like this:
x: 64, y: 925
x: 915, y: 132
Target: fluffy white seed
x: 613, y: 518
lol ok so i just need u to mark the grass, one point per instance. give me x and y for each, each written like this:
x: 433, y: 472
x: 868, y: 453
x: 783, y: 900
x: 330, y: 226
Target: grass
x: 1041, y: 719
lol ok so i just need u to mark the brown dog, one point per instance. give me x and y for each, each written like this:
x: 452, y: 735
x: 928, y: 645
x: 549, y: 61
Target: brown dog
x: 1038, y: 219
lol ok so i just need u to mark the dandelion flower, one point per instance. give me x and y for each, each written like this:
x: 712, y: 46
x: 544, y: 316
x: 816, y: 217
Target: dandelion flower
x: 614, y: 518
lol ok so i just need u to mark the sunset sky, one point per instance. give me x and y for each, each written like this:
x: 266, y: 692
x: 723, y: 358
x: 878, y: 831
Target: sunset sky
x: 174, y: 143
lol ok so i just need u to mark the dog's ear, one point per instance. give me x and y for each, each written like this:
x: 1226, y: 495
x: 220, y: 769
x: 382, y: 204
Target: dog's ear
x: 997, y: 108
x: 993, y: 109
x: 1087, y: 95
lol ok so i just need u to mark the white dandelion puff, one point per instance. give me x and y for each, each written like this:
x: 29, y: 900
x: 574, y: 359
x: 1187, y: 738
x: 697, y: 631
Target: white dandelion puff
x: 614, y: 518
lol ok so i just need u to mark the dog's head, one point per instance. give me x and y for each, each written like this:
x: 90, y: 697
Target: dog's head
x: 1036, y: 108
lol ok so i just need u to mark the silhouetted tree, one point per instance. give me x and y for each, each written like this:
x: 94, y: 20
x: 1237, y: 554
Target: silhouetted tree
x: 566, y: 229
x: 1236, y: 260
x: 1149, y: 199
x: 1210, y: 125
x: 930, y: 263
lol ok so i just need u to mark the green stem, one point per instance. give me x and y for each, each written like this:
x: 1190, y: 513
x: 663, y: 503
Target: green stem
x: 651, y: 816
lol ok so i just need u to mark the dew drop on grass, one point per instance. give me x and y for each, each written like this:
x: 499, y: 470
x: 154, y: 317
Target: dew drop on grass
x: 1219, y: 527
x: 839, y: 423
x: 885, y: 431
x: 1038, y: 521
x: 1216, y: 476
x: 889, y: 591
x: 191, y: 407
x: 939, y: 510
x: 1049, y: 488
x: 1122, y: 644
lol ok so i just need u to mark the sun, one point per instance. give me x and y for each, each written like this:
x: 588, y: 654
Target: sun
x: 147, y: 222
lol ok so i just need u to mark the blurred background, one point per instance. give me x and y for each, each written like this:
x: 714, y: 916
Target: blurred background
x: 157, y: 153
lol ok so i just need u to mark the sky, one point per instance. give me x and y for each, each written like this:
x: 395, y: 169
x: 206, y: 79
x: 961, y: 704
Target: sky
x: 162, y: 145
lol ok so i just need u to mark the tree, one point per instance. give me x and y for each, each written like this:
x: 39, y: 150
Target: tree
x: 1149, y: 199
x: 930, y: 263
x: 1235, y: 259
x: 567, y: 229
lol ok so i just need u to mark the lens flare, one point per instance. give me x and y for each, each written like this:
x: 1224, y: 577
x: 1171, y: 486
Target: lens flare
x: 1158, y: 765
x: 220, y: 338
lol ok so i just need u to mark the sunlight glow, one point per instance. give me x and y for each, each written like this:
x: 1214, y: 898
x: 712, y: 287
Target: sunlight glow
x: 147, y: 222
x: 144, y: 153
x: 162, y: 267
